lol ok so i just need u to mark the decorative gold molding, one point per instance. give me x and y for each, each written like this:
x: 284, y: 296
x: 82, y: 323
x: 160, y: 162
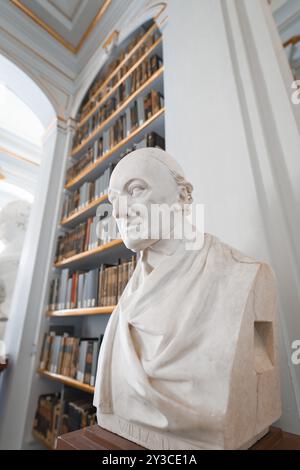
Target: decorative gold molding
x: 164, y: 6
x: 52, y: 124
x: 293, y: 40
x: 163, y: 22
x: 56, y: 35
x: 112, y: 38
x: 93, y: 24
x: 17, y: 156
x: 17, y: 60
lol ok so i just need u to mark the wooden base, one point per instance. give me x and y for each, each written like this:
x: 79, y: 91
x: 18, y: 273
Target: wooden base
x: 97, y: 438
x: 94, y: 438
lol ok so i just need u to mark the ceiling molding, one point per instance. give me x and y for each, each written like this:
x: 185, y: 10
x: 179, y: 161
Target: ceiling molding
x: 16, y: 156
x: 288, y: 22
x: 93, y: 24
x: 17, y: 145
x: 62, y: 16
x: 56, y: 35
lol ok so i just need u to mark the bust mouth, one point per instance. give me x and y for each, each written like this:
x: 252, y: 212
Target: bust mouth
x: 134, y: 224
x: 134, y: 232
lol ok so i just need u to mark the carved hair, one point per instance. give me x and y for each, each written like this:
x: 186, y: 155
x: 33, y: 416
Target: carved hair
x: 181, y: 181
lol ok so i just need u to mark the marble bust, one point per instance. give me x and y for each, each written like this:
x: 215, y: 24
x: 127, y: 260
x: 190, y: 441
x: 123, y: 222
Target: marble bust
x: 189, y: 358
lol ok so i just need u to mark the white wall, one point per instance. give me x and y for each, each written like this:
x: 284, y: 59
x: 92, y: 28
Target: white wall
x: 230, y: 124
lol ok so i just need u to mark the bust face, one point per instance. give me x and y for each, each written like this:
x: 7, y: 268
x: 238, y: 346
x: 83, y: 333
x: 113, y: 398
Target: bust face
x: 141, y: 182
x: 13, y: 220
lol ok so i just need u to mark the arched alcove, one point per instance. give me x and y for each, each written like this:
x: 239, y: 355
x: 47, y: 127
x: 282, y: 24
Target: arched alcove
x: 30, y: 92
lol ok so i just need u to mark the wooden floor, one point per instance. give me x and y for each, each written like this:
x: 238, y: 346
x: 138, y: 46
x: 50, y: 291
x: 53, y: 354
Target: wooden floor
x: 97, y: 438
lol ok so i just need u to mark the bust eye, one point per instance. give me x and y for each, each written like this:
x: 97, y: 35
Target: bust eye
x: 135, y: 189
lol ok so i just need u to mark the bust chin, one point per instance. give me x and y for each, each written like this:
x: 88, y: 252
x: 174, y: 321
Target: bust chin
x: 137, y: 244
x: 189, y: 357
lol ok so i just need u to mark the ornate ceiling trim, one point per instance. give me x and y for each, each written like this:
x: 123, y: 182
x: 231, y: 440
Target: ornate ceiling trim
x: 16, y: 156
x: 57, y: 36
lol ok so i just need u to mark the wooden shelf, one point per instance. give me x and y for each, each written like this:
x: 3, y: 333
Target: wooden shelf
x: 74, y: 312
x: 89, y: 168
x: 121, y: 108
x: 121, y: 64
x: 66, y: 381
x: 42, y: 440
x: 115, y: 87
x: 88, y: 255
x: 83, y: 213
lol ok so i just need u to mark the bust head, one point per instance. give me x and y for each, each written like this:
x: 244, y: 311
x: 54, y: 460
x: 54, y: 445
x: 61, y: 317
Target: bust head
x: 144, y: 179
x: 13, y: 220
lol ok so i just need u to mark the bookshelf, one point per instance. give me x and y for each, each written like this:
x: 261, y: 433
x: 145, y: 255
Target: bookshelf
x: 79, y: 215
x: 123, y: 109
x: 73, y: 312
x: 98, y: 253
x: 150, y: 82
x: 122, y: 62
x: 39, y: 437
x: 94, y: 169
x: 66, y: 381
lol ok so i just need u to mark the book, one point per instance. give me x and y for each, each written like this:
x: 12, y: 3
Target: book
x: 81, y: 359
x: 46, y: 417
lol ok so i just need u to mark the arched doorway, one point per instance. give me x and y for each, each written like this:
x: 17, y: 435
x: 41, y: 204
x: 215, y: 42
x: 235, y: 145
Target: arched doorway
x: 27, y: 150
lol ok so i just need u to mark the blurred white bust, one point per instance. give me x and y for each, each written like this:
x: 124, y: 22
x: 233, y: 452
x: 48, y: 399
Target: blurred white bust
x: 13, y: 223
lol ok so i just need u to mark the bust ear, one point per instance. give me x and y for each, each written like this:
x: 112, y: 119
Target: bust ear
x: 182, y: 194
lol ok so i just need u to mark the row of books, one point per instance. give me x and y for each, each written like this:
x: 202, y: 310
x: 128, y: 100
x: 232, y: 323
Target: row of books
x: 94, y: 288
x: 72, y: 357
x: 86, y: 236
x: 135, y: 80
x: 86, y: 193
x: 46, y: 418
x: 95, y: 151
x: 75, y: 414
x: 135, y: 115
x: 149, y: 140
x: 132, y: 83
x: 90, y: 101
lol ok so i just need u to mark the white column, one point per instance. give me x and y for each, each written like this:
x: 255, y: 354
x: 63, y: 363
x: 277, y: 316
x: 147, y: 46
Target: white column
x: 231, y: 124
x: 21, y: 386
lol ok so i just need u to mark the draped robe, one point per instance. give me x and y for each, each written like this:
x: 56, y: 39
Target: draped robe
x: 178, y: 352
